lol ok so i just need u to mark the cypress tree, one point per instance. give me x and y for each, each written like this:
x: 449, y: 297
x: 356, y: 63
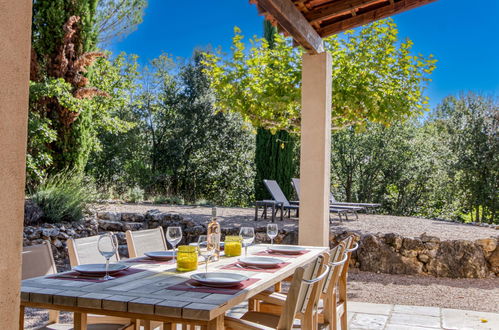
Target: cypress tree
x: 64, y: 42
x: 275, y: 153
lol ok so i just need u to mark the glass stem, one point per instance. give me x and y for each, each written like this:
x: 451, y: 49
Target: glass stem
x: 107, y: 268
x: 246, y: 250
x: 271, y: 241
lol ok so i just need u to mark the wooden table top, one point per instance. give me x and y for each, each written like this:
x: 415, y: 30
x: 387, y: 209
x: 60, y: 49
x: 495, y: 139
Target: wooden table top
x: 144, y: 292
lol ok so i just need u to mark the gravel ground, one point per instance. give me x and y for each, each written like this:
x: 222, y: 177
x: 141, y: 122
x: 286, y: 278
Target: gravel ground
x: 469, y: 294
x: 367, y: 223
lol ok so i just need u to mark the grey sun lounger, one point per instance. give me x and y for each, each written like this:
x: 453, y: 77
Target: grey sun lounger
x: 277, y: 194
x: 333, y: 202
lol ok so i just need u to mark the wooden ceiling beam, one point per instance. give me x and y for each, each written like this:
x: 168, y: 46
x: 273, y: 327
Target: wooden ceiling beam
x: 293, y: 21
x: 370, y: 16
x: 336, y: 8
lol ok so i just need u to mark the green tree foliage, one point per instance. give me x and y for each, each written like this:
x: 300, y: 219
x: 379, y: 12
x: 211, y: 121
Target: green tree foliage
x: 376, y: 79
x: 118, y: 18
x: 445, y: 166
x: 73, y: 90
x: 275, y: 151
x: 180, y: 146
x: 471, y: 123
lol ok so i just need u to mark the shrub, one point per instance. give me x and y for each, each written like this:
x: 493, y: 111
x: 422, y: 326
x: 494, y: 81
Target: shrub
x: 64, y: 197
x: 135, y: 194
x: 174, y: 200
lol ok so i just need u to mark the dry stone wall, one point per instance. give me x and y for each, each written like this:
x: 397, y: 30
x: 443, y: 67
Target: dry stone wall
x: 384, y: 253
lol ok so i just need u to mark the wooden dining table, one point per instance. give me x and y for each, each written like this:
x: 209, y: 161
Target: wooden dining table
x: 156, y: 291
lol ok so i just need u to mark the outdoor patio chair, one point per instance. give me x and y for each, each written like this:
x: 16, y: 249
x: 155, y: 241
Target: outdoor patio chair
x: 84, y: 251
x: 300, y: 303
x: 368, y: 206
x: 277, y: 194
x: 296, y: 185
x: 147, y: 240
x: 273, y: 302
x: 342, y: 302
x: 37, y: 260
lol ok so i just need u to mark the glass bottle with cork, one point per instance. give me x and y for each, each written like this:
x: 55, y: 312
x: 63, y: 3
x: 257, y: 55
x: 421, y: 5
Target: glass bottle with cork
x: 214, y: 234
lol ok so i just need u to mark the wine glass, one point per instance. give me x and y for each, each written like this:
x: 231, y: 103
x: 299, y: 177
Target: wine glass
x: 107, y: 246
x: 248, y: 235
x: 205, y: 253
x: 173, y: 236
x: 272, y: 231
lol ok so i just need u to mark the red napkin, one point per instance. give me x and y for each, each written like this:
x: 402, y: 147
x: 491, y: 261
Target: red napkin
x: 234, y: 266
x: 207, y: 289
x: 278, y: 254
x: 123, y: 273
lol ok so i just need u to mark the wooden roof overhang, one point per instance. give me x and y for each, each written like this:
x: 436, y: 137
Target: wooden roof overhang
x: 308, y: 21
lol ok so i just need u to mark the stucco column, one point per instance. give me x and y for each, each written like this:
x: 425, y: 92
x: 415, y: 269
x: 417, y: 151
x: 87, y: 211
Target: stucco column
x: 15, y: 45
x: 315, y: 150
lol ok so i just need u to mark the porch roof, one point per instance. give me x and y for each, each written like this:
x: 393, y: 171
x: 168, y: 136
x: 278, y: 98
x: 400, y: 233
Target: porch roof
x: 308, y: 21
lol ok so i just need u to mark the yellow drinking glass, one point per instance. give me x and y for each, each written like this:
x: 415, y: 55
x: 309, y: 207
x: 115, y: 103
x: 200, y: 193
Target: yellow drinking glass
x: 233, y: 246
x: 187, y: 258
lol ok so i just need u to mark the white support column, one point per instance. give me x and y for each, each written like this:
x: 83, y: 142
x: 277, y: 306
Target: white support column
x: 315, y: 150
x: 15, y: 45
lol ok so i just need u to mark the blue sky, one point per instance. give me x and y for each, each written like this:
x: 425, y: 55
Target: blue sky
x: 463, y: 35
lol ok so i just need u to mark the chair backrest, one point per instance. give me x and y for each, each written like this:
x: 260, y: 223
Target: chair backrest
x: 147, y: 240
x: 295, y: 182
x: 84, y: 251
x: 331, y: 198
x: 276, y: 191
x: 37, y: 260
x: 350, y: 246
x: 337, y: 260
x: 304, y: 291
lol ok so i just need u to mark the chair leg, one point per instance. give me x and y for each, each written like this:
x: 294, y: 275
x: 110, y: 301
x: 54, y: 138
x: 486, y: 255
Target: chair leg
x: 356, y: 215
x: 278, y: 287
x: 53, y: 317
x: 21, y: 318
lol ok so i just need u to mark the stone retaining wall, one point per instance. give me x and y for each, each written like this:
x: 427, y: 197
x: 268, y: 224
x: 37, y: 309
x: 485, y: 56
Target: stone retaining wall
x: 383, y: 253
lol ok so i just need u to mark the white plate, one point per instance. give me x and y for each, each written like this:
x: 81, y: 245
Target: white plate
x: 100, y: 269
x: 160, y: 255
x: 286, y: 249
x: 262, y: 262
x: 219, y: 279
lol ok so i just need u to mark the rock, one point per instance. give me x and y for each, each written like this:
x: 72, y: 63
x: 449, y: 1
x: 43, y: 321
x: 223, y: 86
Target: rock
x: 459, y: 259
x: 50, y: 232
x: 57, y: 243
x: 374, y: 255
x: 109, y: 225
x: 429, y: 239
x: 424, y: 258
x: 132, y: 217
x: 488, y: 245
x: 112, y: 216
x: 394, y: 240
x: 33, y: 214
x: 133, y: 226
x: 494, y: 261
x: 412, y: 244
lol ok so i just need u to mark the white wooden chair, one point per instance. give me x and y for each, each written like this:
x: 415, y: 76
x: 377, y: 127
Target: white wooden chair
x: 37, y: 260
x: 147, y: 240
x: 300, y: 303
x: 84, y: 251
